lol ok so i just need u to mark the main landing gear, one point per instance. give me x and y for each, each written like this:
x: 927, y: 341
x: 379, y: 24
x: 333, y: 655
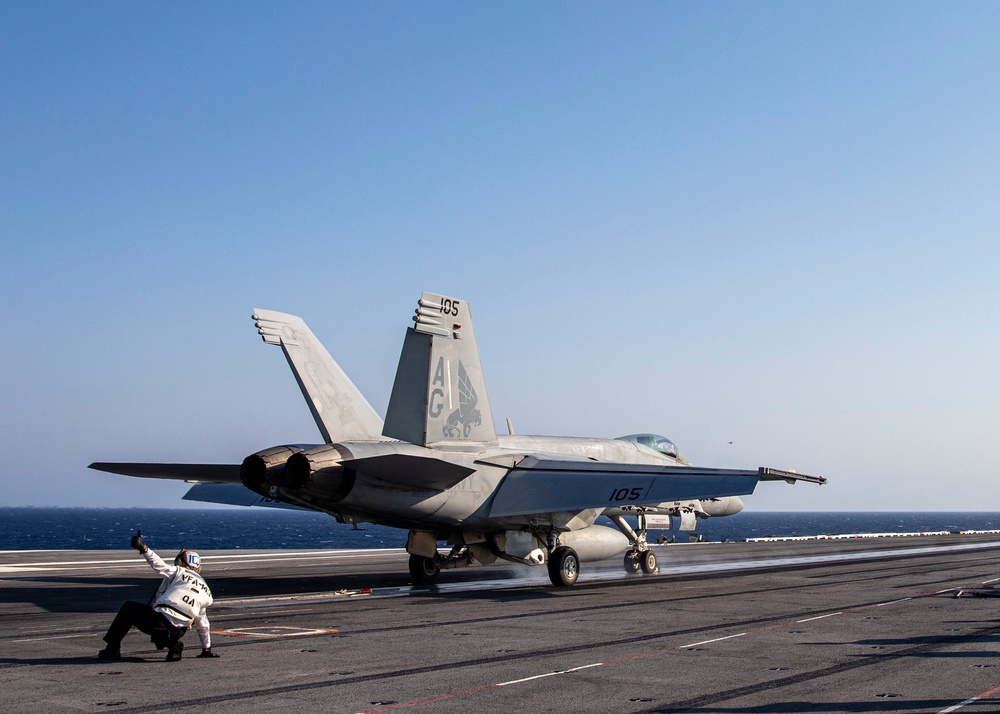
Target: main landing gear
x: 423, y: 570
x: 564, y: 566
x: 639, y: 557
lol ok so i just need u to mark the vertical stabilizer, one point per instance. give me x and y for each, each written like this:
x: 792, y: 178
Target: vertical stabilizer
x: 340, y: 410
x: 439, y: 396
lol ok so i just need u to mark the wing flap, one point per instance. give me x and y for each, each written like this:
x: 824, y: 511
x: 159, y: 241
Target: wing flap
x: 204, y: 473
x: 769, y: 474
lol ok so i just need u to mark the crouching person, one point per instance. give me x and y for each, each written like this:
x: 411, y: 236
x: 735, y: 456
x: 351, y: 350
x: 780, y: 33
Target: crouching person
x: 181, y: 599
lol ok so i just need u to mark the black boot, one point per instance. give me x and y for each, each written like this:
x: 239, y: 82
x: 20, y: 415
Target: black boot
x: 174, y: 651
x: 110, y: 652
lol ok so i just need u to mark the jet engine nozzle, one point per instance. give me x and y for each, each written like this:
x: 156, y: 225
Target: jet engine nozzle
x: 264, y: 466
x: 319, y: 467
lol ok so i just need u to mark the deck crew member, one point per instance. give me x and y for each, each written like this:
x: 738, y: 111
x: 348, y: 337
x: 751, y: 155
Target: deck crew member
x: 181, y: 599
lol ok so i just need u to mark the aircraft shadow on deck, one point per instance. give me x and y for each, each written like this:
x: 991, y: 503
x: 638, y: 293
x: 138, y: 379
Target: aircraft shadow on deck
x: 73, y: 593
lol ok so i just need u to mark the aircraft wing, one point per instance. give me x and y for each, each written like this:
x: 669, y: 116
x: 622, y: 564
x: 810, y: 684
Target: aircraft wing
x: 205, y: 473
x: 537, y: 485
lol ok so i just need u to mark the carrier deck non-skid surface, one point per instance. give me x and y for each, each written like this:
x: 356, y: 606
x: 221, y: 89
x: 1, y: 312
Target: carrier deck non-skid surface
x: 866, y: 625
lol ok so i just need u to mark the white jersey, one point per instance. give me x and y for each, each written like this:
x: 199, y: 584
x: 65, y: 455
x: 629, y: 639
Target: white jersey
x: 182, y: 597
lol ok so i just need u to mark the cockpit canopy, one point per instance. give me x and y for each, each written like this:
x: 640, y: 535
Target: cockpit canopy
x: 654, y: 442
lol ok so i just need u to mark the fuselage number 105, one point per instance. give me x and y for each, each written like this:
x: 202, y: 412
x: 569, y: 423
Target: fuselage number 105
x: 625, y: 494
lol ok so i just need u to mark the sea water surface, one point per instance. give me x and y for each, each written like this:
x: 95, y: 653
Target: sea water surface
x: 212, y: 529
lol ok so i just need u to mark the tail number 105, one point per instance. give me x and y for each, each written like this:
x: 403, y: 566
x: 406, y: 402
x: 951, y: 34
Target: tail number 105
x: 449, y: 307
x: 625, y: 494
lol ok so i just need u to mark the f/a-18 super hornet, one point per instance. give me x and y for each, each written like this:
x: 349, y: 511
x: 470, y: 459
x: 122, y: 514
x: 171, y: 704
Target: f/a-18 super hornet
x: 437, y: 468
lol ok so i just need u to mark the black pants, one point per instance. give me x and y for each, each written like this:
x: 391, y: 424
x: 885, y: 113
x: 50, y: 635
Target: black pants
x: 146, y: 619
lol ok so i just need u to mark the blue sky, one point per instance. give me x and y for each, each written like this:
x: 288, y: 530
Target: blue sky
x: 771, y: 224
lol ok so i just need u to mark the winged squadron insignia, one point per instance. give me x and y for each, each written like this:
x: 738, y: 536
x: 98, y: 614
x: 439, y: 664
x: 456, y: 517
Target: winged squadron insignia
x: 466, y: 415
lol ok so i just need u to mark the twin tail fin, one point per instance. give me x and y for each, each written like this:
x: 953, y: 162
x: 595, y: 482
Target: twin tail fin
x: 340, y: 410
x: 439, y: 396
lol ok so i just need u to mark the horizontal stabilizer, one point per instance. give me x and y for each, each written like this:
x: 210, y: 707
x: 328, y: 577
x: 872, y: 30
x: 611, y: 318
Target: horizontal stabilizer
x: 411, y: 470
x: 206, y: 473
x: 234, y: 495
x: 551, y: 486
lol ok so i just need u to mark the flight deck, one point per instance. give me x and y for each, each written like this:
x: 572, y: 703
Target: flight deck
x: 856, y: 625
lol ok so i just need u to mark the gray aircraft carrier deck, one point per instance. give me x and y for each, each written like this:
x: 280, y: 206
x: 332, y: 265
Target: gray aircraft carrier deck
x: 866, y: 625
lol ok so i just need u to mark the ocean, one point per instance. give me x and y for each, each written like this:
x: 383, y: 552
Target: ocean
x: 214, y: 529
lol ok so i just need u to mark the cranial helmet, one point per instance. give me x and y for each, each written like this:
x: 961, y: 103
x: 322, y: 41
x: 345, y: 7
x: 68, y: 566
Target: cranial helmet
x: 188, y: 559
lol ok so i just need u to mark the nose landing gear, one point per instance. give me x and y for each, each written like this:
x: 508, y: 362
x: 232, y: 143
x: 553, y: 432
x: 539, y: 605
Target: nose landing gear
x: 647, y: 560
x: 640, y: 557
x: 632, y: 564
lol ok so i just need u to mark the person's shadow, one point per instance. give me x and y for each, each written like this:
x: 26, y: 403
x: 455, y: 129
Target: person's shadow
x: 15, y: 661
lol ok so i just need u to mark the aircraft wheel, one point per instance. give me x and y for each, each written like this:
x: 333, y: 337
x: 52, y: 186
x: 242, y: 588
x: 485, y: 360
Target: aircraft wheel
x: 423, y: 570
x: 564, y: 566
x: 632, y: 565
x: 647, y: 561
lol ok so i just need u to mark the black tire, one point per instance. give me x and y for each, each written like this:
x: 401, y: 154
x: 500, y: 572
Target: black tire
x: 423, y: 570
x: 564, y: 566
x: 632, y: 565
x: 647, y: 561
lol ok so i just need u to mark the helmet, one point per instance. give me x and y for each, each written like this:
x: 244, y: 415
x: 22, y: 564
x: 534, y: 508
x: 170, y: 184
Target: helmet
x: 188, y: 559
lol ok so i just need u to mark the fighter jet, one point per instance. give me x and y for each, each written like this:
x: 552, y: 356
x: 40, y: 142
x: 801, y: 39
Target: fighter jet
x: 437, y: 468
